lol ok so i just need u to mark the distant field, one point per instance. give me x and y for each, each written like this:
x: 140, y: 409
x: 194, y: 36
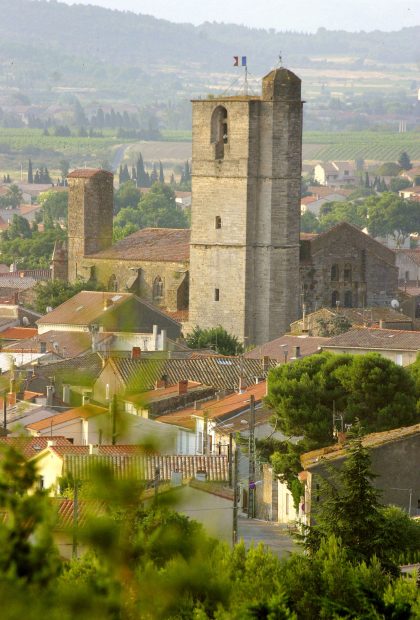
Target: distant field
x: 378, y: 146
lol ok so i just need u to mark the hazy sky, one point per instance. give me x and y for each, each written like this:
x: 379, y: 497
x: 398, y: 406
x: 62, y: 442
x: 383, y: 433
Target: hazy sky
x: 298, y: 15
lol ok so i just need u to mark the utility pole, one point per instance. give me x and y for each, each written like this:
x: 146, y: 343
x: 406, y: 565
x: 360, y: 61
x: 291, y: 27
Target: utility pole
x: 230, y: 459
x: 113, y: 411
x: 75, y: 516
x: 235, y: 498
x: 251, y: 454
x: 205, y: 432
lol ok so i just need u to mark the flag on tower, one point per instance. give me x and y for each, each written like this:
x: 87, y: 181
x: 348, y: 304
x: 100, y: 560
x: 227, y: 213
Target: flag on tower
x: 236, y: 61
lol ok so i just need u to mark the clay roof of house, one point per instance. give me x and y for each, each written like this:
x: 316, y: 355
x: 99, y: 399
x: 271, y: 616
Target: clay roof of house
x: 215, y: 371
x: 163, y: 393
x: 217, y: 408
x: 151, y: 244
x: 373, y: 440
x: 358, y: 316
x: 143, y: 468
x: 18, y: 333
x: 103, y: 450
x: 320, y: 191
x: 307, y: 236
x: 31, y: 446
x: 413, y: 172
x: 86, y: 509
x: 63, y: 344
x: 306, y: 200
x: 275, y: 348
x: 88, y: 173
x: 83, y: 412
x: 371, y: 338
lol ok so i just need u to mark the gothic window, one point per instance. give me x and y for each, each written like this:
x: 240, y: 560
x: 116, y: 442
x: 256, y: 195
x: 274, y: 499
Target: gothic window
x: 219, y: 131
x: 335, y: 273
x: 348, y: 299
x: 113, y: 283
x: 335, y: 297
x: 347, y: 273
x: 218, y: 222
x: 158, y: 288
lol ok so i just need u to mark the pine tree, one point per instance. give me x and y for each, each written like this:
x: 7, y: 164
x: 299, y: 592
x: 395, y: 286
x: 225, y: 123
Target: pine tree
x: 120, y: 175
x: 161, y: 175
x: 404, y: 161
x: 30, y: 172
x: 154, y: 175
x: 133, y: 174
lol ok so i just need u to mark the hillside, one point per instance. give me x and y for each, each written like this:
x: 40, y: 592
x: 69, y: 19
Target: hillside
x: 50, y: 45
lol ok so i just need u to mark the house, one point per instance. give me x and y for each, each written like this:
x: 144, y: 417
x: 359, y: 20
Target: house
x: 335, y: 173
x: 124, y: 376
x: 316, y: 323
x: 410, y: 193
x: 96, y: 311
x: 400, y: 346
x: 29, y: 446
x: 288, y: 347
x: 413, y: 175
x: 318, y: 198
x: 395, y: 456
x: 125, y: 463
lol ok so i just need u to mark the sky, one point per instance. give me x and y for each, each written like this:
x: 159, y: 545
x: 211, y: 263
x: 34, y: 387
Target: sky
x: 297, y: 15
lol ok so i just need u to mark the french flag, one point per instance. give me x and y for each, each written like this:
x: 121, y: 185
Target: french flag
x: 236, y: 61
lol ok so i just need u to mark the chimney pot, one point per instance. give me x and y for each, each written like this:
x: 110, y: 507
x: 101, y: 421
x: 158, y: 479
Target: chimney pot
x: 182, y: 387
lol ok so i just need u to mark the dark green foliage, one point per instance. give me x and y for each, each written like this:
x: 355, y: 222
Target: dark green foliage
x: 54, y: 206
x: 55, y: 292
x: 127, y: 196
x: 391, y: 215
x: 398, y: 183
x: 367, y: 387
x: 332, y: 213
x: 12, y: 198
x: 309, y: 223
x: 34, y: 251
x: 389, y: 169
x: 216, y: 338
x: 333, y: 326
x: 30, y: 172
x: 404, y: 161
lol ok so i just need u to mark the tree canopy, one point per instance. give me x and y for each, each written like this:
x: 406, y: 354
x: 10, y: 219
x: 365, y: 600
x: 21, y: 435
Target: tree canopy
x: 391, y: 215
x: 55, y: 292
x: 54, y: 205
x: 216, y: 338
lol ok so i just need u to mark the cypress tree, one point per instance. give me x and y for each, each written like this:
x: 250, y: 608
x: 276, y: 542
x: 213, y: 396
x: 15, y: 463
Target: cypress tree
x: 154, y: 175
x: 30, y: 172
x: 161, y: 176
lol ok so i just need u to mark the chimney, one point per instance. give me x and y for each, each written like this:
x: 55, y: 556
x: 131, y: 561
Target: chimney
x: 86, y: 398
x: 182, y: 387
x: 155, y: 338
x: 11, y: 399
x: 297, y: 352
x: 50, y: 443
x: 107, y: 303
x: 66, y: 394
x: 135, y: 353
x: 164, y: 341
x: 50, y: 394
x: 93, y: 450
x: 242, y: 385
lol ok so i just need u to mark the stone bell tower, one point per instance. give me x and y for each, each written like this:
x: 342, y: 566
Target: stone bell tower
x: 90, y: 212
x: 246, y: 180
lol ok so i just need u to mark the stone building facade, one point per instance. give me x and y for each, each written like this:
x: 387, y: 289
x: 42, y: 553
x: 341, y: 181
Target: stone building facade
x: 246, y: 210
x: 346, y: 267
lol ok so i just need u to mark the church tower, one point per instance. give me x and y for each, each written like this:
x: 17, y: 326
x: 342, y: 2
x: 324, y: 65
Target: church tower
x: 246, y: 184
x: 90, y: 212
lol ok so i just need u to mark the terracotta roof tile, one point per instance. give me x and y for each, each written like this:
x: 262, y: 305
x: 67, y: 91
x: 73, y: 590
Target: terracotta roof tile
x: 151, y: 244
x: 18, y: 333
x: 85, y: 411
x: 371, y: 338
x: 31, y: 446
x: 275, y: 349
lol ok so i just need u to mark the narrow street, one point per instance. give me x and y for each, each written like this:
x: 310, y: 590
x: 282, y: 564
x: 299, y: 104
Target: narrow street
x: 276, y: 537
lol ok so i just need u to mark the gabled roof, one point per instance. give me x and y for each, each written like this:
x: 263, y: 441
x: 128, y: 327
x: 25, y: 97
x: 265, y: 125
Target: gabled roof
x: 371, y: 338
x: 215, y: 371
x: 83, y: 412
x: 144, y: 467
x: 18, y: 333
x: 373, y: 440
x: 275, y: 349
x: 89, y: 307
x: 151, y: 244
x: 31, y: 446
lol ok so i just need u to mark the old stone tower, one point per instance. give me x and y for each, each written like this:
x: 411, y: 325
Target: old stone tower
x: 90, y: 216
x: 244, y: 254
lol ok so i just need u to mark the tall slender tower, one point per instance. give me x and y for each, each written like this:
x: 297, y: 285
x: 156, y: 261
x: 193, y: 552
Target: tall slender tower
x: 246, y: 180
x: 90, y: 213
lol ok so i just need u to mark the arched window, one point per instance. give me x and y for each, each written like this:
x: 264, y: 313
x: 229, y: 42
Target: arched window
x: 348, y: 299
x: 113, y: 283
x: 219, y: 131
x: 157, y: 288
x: 335, y: 297
x: 335, y: 273
x: 347, y: 272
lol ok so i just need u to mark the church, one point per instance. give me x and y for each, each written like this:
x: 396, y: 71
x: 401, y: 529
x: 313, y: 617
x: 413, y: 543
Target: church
x: 243, y: 264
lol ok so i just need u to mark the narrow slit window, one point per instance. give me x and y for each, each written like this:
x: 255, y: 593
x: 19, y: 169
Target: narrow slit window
x: 218, y: 222
x: 216, y: 294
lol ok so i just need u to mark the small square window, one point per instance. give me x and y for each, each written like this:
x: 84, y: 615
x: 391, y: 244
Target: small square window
x: 216, y: 294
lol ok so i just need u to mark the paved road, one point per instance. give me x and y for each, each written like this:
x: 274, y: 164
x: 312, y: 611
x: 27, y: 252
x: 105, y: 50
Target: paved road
x: 275, y: 536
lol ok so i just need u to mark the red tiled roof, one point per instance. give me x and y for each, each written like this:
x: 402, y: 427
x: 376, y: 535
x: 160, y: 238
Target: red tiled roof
x: 31, y: 446
x: 371, y: 338
x: 151, y: 244
x: 275, y: 349
x: 85, y: 411
x: 18, y: 333
x: 88, y: 173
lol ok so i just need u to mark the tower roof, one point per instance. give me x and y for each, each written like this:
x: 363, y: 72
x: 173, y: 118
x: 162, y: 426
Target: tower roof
x: 281, y: 84
x: 88, y: 173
